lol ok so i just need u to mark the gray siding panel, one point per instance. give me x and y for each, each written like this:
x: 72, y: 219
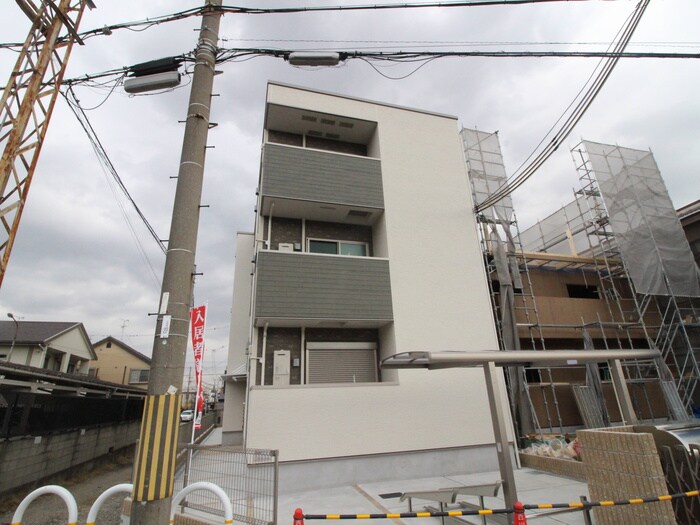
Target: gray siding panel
x: 306, y: 286
x: 319, y: 176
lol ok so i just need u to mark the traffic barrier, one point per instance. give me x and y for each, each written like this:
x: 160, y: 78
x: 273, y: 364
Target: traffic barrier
x: 92, y: 514
x: 62, y: 493
x: 518, y: 509
x: 204, y: 485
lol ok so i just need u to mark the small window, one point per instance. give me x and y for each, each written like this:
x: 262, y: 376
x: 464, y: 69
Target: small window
x: 109, y: 344
x: 357, y: 249
x: 139, y: 376
x: 582, y: 291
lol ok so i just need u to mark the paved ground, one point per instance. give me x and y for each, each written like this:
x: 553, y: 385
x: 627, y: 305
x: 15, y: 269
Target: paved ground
x: 532, y: 486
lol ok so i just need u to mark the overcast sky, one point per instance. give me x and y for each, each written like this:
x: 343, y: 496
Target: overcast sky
x: 75, y: 259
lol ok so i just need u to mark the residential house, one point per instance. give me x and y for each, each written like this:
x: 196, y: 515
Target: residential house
x: 364, y: 246
x: 117, y: 362
x: 689, y: 216
x: 56, y: 346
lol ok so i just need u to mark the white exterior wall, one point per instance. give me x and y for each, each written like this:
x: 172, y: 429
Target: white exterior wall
x: 72, y: 343
x: 234, y: 399
x: 440, y: 301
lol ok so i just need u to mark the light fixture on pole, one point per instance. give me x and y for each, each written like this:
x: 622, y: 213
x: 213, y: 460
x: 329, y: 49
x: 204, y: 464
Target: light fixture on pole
x: 14, y: 338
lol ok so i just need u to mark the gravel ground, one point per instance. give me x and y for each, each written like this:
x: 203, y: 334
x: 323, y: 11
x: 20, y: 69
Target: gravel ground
x: 85, y: 487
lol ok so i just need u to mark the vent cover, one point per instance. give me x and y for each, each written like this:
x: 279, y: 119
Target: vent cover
x: 328, y: 122
x: 359, y: 213
x: 314, y: 133
x: 308, y: 118
x: 348, y: 125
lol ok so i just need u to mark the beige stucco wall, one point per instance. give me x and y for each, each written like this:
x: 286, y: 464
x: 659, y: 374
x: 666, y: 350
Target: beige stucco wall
x: 440, y: 300
x: 115, y: 364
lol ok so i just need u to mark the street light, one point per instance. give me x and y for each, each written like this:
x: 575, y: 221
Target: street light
x: 12, y: 346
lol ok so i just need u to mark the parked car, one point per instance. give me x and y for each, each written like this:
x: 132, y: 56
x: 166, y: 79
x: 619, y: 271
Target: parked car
x: 186, y: 415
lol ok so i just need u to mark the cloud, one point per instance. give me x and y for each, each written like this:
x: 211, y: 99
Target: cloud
x: 75, y: 258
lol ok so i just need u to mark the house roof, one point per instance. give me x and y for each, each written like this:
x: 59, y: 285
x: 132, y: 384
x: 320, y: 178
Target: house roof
x: 14, y: 376
x: 124, y: 347
x: 32, y: 332
x: 689, y: 210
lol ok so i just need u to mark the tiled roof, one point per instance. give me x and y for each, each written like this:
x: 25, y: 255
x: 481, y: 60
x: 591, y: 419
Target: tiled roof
x: 32, y: 332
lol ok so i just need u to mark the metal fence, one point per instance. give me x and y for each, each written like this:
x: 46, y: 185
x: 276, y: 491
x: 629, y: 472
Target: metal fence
x: 248, y: 476
x: 24, y: 413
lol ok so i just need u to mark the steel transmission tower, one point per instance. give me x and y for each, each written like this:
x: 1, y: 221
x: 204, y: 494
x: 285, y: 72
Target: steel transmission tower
x: 27, y: 103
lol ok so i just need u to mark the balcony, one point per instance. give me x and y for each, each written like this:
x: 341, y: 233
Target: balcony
x: 320, y: 185
x: 305, y: 289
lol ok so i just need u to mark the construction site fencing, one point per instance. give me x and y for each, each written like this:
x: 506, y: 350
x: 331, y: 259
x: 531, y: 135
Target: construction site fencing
x: 249, y: 477
x: 518, y: 510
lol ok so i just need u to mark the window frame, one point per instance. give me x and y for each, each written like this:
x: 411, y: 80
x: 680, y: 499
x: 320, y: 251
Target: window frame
x: 338, y: 243
x: 139, y: 380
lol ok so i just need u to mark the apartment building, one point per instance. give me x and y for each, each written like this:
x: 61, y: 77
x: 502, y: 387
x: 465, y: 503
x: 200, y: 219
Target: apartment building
x: 365, y: 245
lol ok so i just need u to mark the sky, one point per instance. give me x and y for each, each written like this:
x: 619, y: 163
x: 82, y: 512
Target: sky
x: 77, y: 259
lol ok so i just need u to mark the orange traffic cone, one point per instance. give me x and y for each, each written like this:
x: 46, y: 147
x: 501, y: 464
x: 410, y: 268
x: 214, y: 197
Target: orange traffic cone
x: 519, y: 514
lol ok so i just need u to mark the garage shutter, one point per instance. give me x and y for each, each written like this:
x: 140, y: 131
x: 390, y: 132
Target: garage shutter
x: 341, y: 365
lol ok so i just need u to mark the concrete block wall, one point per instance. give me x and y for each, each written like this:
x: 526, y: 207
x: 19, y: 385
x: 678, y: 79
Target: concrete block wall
x: 561, y: 467
x: 620, y: 464
x: 33, y: 458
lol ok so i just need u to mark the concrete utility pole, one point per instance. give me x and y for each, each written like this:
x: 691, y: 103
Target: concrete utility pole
x: 155, y: 461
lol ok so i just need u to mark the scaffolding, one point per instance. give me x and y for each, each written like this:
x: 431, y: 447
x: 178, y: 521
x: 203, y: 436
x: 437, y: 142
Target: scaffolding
x: 594, y: 240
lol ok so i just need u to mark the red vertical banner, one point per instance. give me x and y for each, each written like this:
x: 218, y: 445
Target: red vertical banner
x: 198, y: 316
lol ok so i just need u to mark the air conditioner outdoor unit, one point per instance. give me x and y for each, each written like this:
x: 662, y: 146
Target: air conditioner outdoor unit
x: 285, y: 247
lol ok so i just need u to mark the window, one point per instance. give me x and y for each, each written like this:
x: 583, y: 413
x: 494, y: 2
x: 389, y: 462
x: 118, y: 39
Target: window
x: 139, y: 376
x: 582, y: 291
x: 357, y: 249
x: 341, y: 363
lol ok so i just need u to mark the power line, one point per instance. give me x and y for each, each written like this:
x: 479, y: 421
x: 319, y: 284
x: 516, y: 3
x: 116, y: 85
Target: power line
x: 144, y: 24
x: 575, y: 116
x: 107, y: 166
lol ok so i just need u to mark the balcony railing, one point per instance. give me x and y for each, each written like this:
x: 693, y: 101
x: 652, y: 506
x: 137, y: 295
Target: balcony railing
x: 296, y: 173
x: 306, y: 286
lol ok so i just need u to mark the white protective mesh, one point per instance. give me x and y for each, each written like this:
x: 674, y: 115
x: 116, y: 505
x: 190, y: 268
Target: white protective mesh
x: 486, y: 171
x: 562, y: 232
x: 645, y: 223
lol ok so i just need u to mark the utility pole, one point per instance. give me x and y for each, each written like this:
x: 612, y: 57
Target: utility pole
x: 155, y: 460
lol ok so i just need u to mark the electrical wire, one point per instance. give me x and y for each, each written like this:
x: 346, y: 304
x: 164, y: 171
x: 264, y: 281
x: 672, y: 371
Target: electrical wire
x: 575, y: 116
x: 102, y: 154
x: 142, y: 25
x: 108, y: 167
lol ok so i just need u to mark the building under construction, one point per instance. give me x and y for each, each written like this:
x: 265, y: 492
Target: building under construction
x: 611, y: 269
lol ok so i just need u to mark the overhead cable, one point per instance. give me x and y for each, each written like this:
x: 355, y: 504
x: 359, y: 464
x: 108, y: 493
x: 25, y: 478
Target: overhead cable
x: 574, y: 117
x: 142, y: 25
x: 77, y: 110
